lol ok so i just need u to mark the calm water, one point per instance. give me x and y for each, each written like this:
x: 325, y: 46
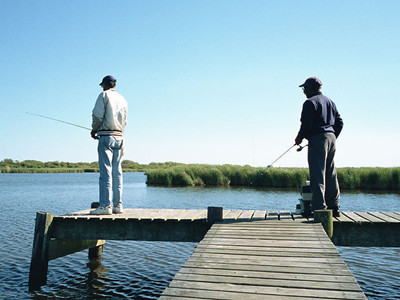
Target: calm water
x: 142, y: 270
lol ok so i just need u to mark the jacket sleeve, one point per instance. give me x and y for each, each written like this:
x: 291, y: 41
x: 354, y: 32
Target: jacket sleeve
x: 307, y: 119
x: 98, y: 112
x: 338, y: 124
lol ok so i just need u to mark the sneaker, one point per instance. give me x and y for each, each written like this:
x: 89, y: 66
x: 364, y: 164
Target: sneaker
x: 307, y: 214
x: 336, y: 213
x: 101, y: 211
x: 118, y: 209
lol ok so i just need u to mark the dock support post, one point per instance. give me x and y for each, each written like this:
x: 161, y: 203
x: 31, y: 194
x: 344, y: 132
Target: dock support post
x: 324, y: 216
x: 214, y: 214
x: 95, y: 252
x: 40, y: 250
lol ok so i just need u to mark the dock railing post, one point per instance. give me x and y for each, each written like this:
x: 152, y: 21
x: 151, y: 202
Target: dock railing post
x: 214, y: 214
x: 40, y: 250
x: 324, y: 216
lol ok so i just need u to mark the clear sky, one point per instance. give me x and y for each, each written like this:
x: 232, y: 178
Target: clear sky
x: 206, y: 81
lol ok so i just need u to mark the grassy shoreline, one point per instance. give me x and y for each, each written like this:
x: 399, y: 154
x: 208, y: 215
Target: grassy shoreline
x: 178, y: 174
x: 229, y: 175
x: 34, y: 166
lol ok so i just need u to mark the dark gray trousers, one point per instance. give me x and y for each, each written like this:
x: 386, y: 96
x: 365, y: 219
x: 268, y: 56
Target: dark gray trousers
x: 323, y: 178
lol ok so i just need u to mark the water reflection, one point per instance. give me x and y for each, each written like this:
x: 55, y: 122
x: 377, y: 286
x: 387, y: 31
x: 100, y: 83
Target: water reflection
x: 96, y: 279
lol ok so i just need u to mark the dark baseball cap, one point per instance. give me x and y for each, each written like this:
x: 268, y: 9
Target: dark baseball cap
x: 107, y: 79
x: 312, y: 81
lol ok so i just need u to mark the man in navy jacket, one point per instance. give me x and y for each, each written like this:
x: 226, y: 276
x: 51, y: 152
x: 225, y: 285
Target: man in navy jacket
x: 321, y: 124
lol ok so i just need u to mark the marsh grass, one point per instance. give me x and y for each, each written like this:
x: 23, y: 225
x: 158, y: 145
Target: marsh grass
x: 233, y: 175
x: 178, y: 174
x: 223, y: 175
x: 44, y: 170
x: 34, y: 166
x: 369, y: 178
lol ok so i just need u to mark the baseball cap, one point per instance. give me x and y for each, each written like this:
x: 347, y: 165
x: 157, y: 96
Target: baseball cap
x: 312, y: 81
x: 108, y: 78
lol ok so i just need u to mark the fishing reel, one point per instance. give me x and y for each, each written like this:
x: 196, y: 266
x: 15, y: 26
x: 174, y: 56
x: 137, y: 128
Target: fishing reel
x: 301, y: 148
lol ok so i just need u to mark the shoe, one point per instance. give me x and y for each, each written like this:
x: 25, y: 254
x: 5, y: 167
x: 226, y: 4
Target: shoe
x: 307, y: 214
x: 118, y: 209
x: 335, y: 212
x: 101, y: 211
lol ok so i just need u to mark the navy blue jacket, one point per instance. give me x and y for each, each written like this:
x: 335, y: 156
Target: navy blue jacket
x: 319, y: 115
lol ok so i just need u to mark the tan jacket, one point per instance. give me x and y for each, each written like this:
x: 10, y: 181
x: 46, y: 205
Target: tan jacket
x: 110, y: 113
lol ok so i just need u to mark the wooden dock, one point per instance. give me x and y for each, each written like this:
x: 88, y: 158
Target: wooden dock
x: 265, y: 260
x: 242, y: 253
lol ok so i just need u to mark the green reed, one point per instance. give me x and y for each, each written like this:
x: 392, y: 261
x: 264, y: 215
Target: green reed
x: 369, y: 178
x: 233, y: 175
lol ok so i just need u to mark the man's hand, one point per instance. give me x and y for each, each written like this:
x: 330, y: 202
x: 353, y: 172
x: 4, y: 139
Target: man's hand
x: 93, y: 134
x: 298, y: 141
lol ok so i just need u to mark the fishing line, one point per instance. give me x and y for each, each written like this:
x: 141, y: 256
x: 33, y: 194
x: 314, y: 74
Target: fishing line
x: 65, y: 122
x: 270, y: 166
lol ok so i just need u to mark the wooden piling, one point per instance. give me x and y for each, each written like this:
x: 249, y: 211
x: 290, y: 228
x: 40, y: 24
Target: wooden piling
x: 95, y: 252
x: 40, y: 250
x: 214, y: 214
x: 324, y: 216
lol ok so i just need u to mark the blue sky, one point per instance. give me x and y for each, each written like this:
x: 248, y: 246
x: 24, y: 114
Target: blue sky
x: 206, y: 81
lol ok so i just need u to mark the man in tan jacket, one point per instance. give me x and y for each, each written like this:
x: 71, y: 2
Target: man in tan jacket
x: 109, y: 118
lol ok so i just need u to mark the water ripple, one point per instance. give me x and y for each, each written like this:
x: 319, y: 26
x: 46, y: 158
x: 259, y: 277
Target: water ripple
x: 142, y: 270
x: 377, y: 270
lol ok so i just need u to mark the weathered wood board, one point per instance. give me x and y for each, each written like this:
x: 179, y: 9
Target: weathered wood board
x: 265, y: 260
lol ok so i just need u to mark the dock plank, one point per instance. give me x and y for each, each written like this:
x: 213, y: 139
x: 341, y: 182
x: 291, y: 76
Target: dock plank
x: 248, y: 279
x: 194, y: 214
x: 246, y: 215
x: 392, y: 215
x: 233, y: 215
x: 184, y: 293
x: 259, y: 215
x: 273, y: 253
x: 355, y: 218
x: 272, y: 215
x: 331, y: 250
x: 370, y: 217
x: 260, y: 292
x: 385, y: 217
x: 343, y: 218
x: 225, y: 213
x: 285, y: 215
x: 316, y: 269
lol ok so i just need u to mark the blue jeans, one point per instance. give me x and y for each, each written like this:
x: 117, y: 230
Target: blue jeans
x: 110, y: 182
x: 323, y: 178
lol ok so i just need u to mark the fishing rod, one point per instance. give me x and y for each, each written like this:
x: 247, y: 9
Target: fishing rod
x: 298, y: 150
x: 270, y: 166
x: 65, y: 122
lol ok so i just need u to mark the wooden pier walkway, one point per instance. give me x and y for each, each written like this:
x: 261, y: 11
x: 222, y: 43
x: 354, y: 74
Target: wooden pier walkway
x: 241, y: 253
x: 265, y: 260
